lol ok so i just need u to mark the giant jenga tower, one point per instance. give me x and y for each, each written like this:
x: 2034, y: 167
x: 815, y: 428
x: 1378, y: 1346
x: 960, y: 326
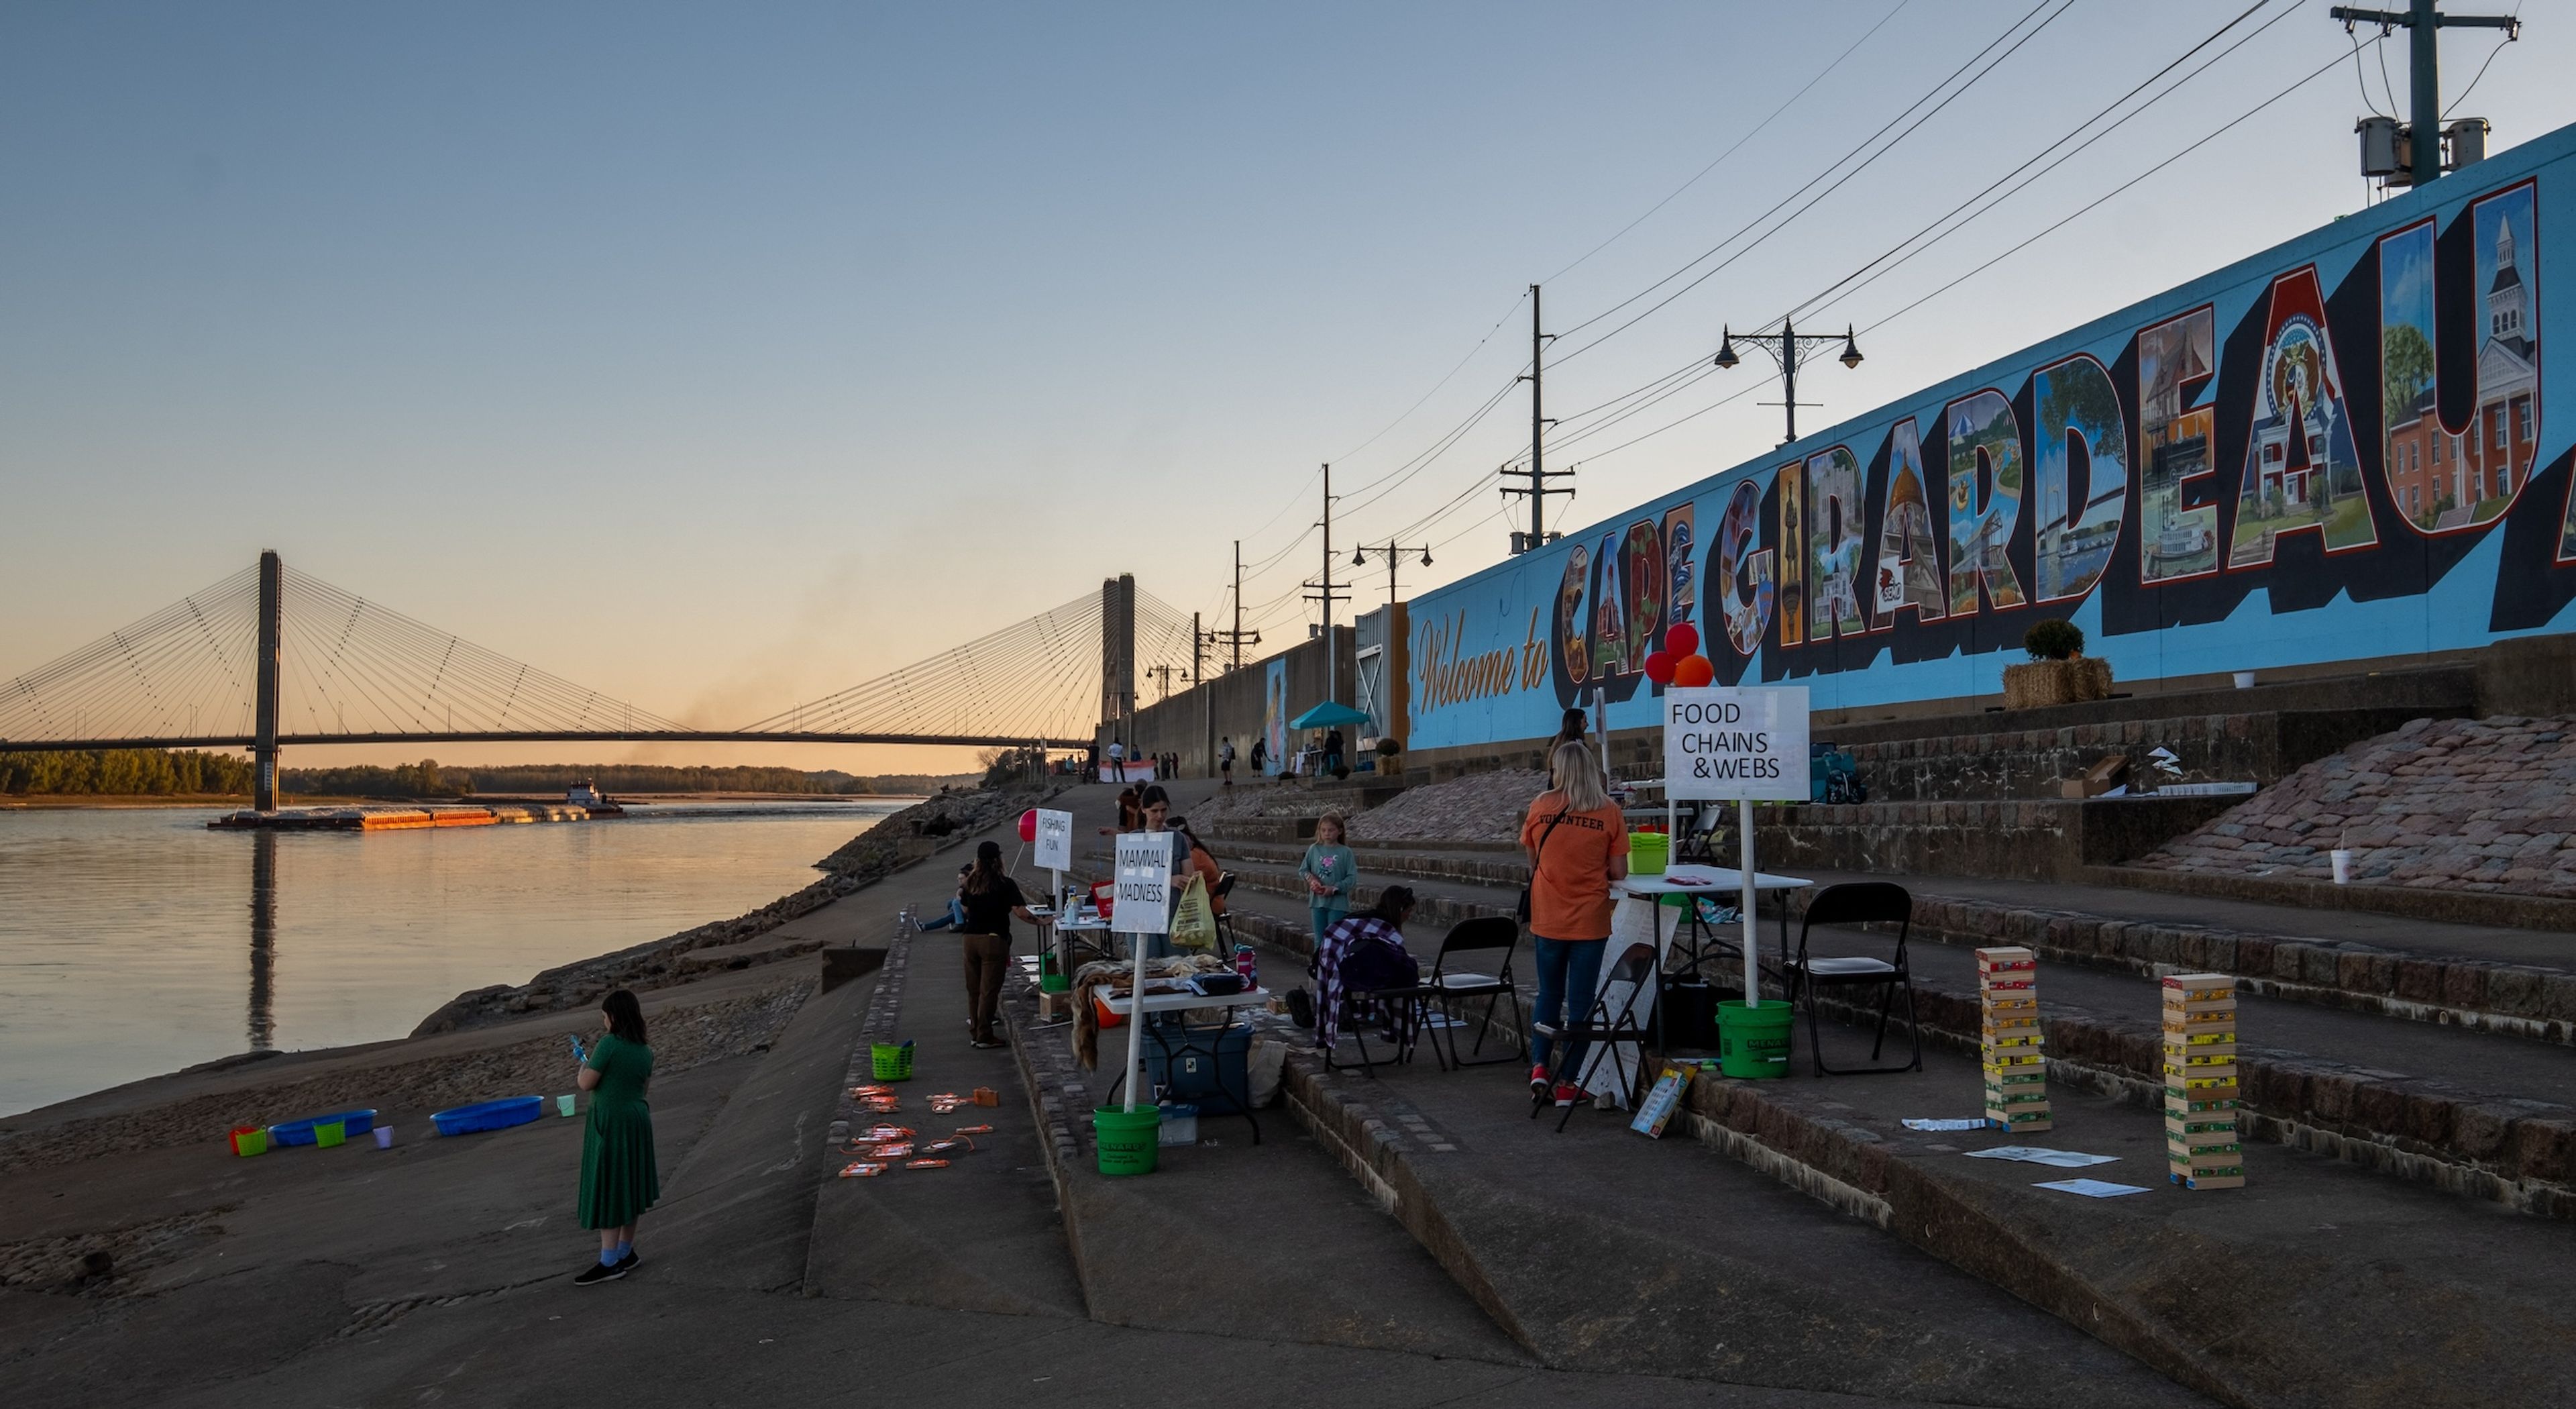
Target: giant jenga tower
x: 2202, y: 1147
x: 2016, y: 1075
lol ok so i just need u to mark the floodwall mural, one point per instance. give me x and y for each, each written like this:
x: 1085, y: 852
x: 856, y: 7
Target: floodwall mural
x: 2335, y: 450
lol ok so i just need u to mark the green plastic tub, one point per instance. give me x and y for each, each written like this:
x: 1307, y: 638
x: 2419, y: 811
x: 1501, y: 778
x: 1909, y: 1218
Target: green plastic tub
x: 1128, y: 1140
x: 1647, y: 853
x: 1752, y: 1042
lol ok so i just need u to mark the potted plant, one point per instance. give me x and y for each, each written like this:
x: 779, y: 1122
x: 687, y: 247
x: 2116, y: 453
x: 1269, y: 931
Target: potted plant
x: 2058, y: 671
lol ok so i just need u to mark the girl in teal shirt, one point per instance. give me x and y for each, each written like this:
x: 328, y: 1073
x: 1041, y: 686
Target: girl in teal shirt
x: 1331, y: 872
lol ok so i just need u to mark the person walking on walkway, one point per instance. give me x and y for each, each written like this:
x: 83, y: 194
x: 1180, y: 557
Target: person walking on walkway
x: 1331, y: 873
x: 1577, y: 843
x: 990, y: 898
x: 1118, y: 760
x: 618, y: 1177
x: 1225, y: 759
x: 1260, y: 756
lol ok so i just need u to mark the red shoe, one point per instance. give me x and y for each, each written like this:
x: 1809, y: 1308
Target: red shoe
x: 1538, y: 1080
x: 1567, y: 1093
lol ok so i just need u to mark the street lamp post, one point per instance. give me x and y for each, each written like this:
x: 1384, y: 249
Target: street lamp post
x: 1788, y: 347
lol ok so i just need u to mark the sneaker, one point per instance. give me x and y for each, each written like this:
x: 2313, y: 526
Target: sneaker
x: 1538, y: 1080
x: 1568, y: 1093
x: 630, y: 1261
x: 598, y: 1272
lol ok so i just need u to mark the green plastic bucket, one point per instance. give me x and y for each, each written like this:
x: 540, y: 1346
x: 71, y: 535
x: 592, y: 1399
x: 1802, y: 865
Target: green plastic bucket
x: 890, y: 1062
x: 1752, y: 1041
x: 329, y: 1133
x: 1647, y: 853
x: 1128, y: 1140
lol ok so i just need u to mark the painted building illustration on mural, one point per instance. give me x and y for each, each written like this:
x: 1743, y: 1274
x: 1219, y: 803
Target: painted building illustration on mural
x: 2178, y: 527
x: 1908, y: 572
x: 2302, y: 465
x: 1834, y: 508
x: 2445, y: 474
x: 2080, y: 474
x: 1985, y: 502
x: 2374, y: 388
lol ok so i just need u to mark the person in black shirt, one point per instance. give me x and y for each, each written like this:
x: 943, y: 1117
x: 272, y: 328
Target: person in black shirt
x: 990, y: 898
x: 1333, y: 751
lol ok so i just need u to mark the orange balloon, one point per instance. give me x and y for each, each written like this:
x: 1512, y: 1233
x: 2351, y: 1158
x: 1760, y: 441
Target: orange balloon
x: 1692, y: 672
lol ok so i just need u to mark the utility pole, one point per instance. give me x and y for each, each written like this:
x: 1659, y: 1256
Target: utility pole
x: 2424, y: 23
x: 1238, y: 638
x: 1198, y: 640
x: 1788, y: 347
x: 1537, y: 472
x: 1324, y: 593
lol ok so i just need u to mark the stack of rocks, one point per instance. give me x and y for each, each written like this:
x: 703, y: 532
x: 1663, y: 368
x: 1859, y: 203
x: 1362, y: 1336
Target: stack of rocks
x: 2016, y: 1075
x: 2202, y: 1149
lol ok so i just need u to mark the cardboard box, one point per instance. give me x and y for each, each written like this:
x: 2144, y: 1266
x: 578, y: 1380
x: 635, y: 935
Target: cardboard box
x: 2102, y: 777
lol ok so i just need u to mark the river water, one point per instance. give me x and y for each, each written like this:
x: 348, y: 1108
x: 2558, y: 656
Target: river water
x: 134, y: 942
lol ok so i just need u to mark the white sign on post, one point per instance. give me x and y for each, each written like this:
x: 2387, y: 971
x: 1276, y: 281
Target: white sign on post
x: 1736, y: 743
x: 1143, y: 907
x: 1746, y: 744
x: 1055, y: 840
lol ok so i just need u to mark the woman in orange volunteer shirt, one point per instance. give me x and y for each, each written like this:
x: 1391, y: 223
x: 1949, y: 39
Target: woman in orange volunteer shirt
x: 1577, y: 843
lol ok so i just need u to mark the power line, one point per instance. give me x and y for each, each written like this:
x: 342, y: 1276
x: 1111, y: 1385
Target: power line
x: 1865, y: 163
x: 1738, y: 145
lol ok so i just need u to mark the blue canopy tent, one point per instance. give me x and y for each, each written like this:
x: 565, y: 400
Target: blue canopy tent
x: 1328, y: 715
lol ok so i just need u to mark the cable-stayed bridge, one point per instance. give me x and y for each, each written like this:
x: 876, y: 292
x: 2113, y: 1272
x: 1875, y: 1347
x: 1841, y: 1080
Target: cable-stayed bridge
x: 271, y: 658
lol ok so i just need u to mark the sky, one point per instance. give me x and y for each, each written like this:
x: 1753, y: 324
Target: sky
x: 720, y: 358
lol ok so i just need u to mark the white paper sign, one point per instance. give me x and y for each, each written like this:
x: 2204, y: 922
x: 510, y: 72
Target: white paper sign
x: 1055, y: 840
x: 1736, y: 743
x: 1144, y: 904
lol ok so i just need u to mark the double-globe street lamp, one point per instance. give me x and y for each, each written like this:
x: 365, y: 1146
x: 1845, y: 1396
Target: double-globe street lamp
x: 1788, y: 347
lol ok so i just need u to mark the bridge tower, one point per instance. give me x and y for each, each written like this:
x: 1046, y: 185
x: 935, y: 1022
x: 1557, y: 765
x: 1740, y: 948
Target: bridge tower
x: 1117, y: 659
x: 272, y: 633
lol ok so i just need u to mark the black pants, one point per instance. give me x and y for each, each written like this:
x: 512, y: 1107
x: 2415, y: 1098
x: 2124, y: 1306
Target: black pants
x: 987, y: 955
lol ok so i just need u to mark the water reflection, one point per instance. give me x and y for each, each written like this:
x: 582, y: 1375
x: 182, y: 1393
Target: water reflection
x: 263, y: 941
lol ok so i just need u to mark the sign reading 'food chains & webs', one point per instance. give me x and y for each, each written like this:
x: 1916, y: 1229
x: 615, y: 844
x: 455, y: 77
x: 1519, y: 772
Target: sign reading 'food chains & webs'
x: 1736, y: 743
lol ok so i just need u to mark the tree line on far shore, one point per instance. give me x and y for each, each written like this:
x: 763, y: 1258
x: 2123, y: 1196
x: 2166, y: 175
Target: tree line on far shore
x: 182, y: 772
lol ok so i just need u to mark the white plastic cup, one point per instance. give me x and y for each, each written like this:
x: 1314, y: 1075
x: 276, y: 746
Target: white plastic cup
x: 2342, y: 865
x: 384, y: 1137
x: 2245, y: 680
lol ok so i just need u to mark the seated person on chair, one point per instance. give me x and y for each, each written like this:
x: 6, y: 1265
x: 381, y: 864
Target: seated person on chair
x: 1360, y: 954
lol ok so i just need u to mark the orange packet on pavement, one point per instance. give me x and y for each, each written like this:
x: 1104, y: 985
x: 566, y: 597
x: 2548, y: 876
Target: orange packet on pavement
x: 926, y: 1164
x: 974, y: 1130
x: 862, y: 1169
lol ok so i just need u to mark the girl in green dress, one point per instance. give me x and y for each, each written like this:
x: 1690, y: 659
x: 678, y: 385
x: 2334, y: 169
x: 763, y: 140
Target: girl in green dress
x: 618, y: 1178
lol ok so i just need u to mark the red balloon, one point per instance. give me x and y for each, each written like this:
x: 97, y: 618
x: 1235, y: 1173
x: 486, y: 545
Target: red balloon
x: 1659, y: 667
x: 1029, y: 825
x: 1681, y: 638
x: 1692, y: 672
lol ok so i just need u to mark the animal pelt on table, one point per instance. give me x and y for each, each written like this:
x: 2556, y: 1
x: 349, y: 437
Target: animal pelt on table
x: 1104, y: 973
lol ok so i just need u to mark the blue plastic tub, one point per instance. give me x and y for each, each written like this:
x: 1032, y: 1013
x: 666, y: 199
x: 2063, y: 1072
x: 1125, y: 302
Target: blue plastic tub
x: 489, y: 1115
x: 300, y: 1132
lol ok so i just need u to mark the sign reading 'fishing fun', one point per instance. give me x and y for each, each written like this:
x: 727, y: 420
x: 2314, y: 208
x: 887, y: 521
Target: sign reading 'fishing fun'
x: 2333, y: 451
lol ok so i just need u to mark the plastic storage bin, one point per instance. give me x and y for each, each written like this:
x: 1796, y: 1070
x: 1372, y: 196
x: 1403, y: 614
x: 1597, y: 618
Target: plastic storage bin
x: 307, y: 1130
x: 489, y: 1115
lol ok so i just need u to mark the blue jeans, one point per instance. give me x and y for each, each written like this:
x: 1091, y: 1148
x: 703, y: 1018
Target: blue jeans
x: 1569, y: 973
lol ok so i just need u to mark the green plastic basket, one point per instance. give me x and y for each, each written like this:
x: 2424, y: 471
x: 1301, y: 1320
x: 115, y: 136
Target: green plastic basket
x: 1647, y: 853
x: 890, y: 1062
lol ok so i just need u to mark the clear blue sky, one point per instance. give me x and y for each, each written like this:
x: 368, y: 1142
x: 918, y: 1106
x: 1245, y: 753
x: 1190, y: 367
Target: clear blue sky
x: 719, y: 357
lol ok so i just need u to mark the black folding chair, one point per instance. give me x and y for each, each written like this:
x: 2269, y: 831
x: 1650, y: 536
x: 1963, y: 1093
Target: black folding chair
x: 1224, y: 922
x: 1698, y: 844
x: 1856, y: 903
x: 1445, y: 986
x: 1601, y: 1030
x: 1395, y: 1007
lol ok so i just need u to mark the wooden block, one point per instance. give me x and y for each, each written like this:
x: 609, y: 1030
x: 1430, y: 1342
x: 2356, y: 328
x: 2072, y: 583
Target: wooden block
x: 2195, y: 1105
x: 2204, y: 1141
x: 2209, y: 1181
x: 1054, y: 1006
x: 2201, y: 1127
x: 2218, y: 985
x: 2015, y: 1042
x: 2210, y: 1159
x: 2019, y: 1121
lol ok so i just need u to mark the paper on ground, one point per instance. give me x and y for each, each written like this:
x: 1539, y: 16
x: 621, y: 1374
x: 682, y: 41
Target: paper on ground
x: 1971, y: 1123
x: 2033, y: 1154
x: 2091, y: 1188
